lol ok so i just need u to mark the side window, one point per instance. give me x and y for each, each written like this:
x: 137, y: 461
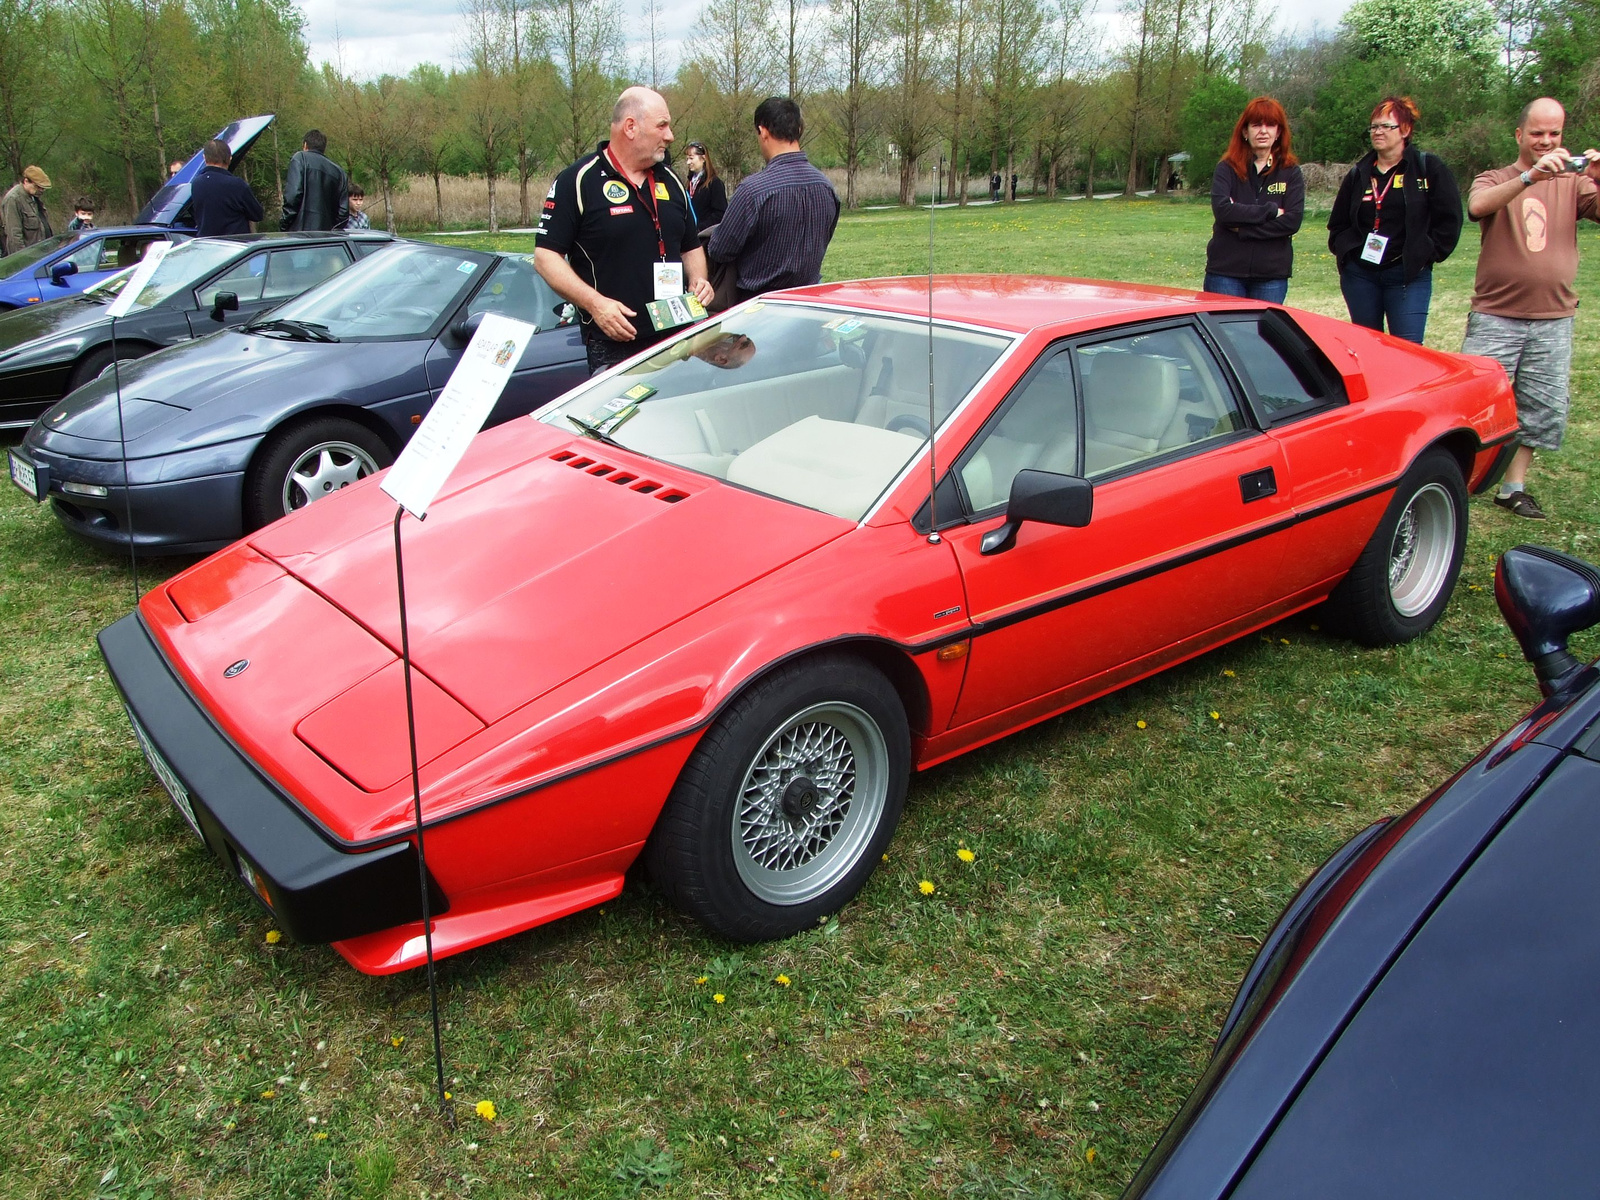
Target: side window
x: 290, y: 272
x: 1038, y: 430
x: 1282, y: 381
x: 1151, y: 394
x: 243, y: 279
x: 85, y: 257
x: 517, y: 290
x: 119, y: 252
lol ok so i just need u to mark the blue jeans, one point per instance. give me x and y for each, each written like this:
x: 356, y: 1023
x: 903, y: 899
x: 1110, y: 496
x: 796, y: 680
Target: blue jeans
x: 1372, y: 296
x: 1271, y: 290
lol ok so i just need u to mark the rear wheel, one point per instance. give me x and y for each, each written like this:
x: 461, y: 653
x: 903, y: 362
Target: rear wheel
x: 1401, y: 583
x: 785, y: 807
x: 304, y: 463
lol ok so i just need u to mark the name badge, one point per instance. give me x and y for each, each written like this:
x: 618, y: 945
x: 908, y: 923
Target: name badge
x: 669, y: 280
x: 673, y: 311
x: 1372, y: 250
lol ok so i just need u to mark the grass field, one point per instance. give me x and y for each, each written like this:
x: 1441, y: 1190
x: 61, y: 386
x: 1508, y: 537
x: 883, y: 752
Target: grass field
x: 1025, y: 1031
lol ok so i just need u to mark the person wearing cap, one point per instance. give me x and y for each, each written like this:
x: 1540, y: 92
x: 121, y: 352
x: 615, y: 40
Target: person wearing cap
x: 23, y: 219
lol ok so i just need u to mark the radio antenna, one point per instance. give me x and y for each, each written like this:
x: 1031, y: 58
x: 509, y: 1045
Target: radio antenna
x: 122, y: 453
x: 933, y: 471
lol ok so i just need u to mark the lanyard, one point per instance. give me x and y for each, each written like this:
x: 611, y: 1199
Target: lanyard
x: 647, y: 197
x: 1377, y: 196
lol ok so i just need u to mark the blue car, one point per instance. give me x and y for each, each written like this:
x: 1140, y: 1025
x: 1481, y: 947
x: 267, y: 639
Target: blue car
x: 64, y: 265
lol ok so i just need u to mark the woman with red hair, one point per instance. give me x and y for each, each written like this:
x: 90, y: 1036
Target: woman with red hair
x: 1258, y: 198
x: 1397, y: 213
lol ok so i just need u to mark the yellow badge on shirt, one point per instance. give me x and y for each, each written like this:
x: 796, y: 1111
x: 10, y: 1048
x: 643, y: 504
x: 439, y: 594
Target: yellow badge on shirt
x: 615, y: 191
x: 661, y: 192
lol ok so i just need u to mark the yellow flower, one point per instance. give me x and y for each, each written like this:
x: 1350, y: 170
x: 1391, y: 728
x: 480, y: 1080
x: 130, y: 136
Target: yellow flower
x: 273, y: 937
x: 835, y: 1153
x: 782, y: 980
x: 485, y: 1109
x: 1285, y: 641
x: 397, y: 1040
x: 1215, y: 715
x: 1230, y: 674
x: 719, y: 998
x: 965, y: 855
x: 448, y: 1096
x: 886, y: 856
x: 319, y: 1137
x: 925, y: 888
x: 1140, y: 725
x: 1088, y: 1155
x: 268, y: 1094
x: 702, y: 979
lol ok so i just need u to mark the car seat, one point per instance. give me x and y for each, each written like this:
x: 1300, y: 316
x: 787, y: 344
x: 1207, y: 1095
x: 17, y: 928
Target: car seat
x: 1130, y: 403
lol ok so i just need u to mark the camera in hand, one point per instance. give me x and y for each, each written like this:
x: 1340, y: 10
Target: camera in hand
x: 1578, y: 163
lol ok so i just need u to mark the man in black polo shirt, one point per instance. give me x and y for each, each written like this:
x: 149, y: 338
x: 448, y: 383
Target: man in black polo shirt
x: 616, y: 234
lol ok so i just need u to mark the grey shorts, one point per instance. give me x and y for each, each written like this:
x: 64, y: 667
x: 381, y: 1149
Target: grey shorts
x: 1537, y: 356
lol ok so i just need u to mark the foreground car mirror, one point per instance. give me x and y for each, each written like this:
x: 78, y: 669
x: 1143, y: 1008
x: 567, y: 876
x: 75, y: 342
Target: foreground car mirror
x: 1042, y: 496
x: 59, y: 272
x: 463, y: 329
x: 1546, y: 597
x: 224, y: 302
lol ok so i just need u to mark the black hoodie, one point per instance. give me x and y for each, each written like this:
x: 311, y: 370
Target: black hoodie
x: 1249, y: 239
x: 1433, y: 212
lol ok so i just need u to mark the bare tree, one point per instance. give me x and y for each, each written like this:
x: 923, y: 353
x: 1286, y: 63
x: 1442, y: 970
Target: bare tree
x: 381, y: 117
x: 737, y: 53
x: 853, y: 30
x: 959, y: 32
x: 1065, y: 94
x: 1177, y: 47
x: 586, y: 46
x: 1140, y: 57
x: 485, y: 118
x: 435, y: 133
x: 1009, y: 33
x: 525, y: 51
x: 914, y: 28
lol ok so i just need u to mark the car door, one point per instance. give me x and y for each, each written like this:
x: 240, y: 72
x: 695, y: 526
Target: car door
x: 246, y: 279
x: 1183, y: 547
x: 554, y: 360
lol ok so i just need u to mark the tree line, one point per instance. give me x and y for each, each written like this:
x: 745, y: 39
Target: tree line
x: 103, y: 93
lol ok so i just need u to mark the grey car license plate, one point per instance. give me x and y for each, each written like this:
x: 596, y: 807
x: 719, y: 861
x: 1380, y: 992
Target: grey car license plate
x: 169, y: 777
x: 23, y: 475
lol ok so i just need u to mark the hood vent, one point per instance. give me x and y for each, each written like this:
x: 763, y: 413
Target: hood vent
x: 620, y: 476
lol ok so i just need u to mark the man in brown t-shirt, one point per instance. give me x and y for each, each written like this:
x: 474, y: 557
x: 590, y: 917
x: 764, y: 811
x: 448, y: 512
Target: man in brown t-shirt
x: 1524, y: 300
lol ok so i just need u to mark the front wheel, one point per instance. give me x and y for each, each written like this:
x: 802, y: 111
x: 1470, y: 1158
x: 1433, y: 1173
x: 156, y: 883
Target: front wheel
x: 1401, y: 583
x: 787, y: 804
x: 308, y: 462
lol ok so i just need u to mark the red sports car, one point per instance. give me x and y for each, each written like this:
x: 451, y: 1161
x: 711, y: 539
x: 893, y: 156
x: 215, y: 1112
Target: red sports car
x: 704, y: 609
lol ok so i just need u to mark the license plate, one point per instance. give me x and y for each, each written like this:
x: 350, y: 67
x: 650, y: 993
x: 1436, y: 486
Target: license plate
x: 23, y: 475
x: 169, y: 777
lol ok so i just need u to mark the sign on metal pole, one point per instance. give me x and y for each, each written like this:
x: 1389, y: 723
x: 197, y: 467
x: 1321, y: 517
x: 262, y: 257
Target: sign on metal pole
x: 153, y: 255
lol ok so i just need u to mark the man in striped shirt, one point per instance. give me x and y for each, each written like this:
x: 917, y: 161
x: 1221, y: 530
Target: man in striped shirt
x: 781, y: 219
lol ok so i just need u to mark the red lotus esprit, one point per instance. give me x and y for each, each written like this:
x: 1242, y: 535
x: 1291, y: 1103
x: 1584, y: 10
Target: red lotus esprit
x: 704, y: 608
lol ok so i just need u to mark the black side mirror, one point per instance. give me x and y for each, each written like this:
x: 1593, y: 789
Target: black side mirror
x: 224, y: 302
x: 463, y: 329
x: 1042, y: 496
x: 1546, y: 597
x: 61, y: 270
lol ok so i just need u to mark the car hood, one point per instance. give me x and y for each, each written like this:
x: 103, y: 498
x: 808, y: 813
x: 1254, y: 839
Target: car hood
x: 32, y: 328
x: 169, y: 206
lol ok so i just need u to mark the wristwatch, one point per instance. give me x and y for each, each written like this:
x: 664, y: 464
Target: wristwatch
x: 1527, y: 179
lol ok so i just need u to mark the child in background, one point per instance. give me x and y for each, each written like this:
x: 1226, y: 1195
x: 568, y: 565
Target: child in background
x: 82, y: 214
x: 358, y: 209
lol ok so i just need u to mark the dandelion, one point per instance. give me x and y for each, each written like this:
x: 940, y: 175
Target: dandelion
x: 835, y: 1153
x: 965, y: 855
x: 886, y: 857
x: 448, y: 1096
x: 1230, y: 674
x: 268, y: 1094
x: 1215, y: 715
x: 1285, y: 641
x: 273, y: 937
x: 719, y: 998
x: 925, y: 887
x: 1140, y: 725
x: 319, y: 1137
x: 485, y: 1109
x: 1088, y: 1156
x: 702, y: 979
x: 397, y: 1040
x: 782, y: 981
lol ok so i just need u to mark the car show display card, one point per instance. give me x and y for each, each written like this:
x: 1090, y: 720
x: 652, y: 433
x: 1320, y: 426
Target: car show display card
x: 442, y: 438
x: 153, y: 255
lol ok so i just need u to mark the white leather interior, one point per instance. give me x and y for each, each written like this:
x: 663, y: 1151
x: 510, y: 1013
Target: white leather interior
x: 836, y: 467
x: 1130, y: 403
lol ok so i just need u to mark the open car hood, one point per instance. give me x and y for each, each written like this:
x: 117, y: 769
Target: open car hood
x: 170, y: 205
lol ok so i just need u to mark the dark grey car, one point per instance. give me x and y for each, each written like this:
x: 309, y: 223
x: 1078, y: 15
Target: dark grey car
x: 232, y: 431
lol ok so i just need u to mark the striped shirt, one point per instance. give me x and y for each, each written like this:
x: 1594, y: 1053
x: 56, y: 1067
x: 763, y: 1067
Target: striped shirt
x: 778, y: 226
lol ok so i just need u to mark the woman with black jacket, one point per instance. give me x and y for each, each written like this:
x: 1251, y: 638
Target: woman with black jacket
x: 1397, y: 213
x: 1258, y: 198
x: 706, y: 191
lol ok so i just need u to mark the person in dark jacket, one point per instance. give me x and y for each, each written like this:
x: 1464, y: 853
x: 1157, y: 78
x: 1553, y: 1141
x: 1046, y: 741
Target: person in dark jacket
x: 23, y: 219
x: 223, y: 203
x: 706, y: 191
x: 316, y: 193
x: 1258, y: 198
x: 1397, y: 213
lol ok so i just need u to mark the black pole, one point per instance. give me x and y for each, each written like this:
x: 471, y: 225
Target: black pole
x: 122, y: 446
x: 445, y: 1109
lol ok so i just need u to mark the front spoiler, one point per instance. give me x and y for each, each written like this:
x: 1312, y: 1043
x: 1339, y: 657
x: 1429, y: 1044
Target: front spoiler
x: 316, y: 891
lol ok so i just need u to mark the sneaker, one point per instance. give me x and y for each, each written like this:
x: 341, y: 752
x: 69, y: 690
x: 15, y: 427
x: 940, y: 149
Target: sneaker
x: 1523, y: 504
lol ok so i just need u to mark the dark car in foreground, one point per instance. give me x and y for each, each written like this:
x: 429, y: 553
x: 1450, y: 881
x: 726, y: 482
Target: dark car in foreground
x: 202, y: 286
x: 1422, y: 1021
x: 228, y: 433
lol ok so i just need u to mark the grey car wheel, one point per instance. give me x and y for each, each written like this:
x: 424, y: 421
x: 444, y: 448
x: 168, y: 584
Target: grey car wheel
x: 307, y: 462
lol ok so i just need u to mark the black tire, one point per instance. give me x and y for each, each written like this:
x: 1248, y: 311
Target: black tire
x: 93, y: 364
x: 713, y: 856
x: 285, y: 475
x: 1401, y: 583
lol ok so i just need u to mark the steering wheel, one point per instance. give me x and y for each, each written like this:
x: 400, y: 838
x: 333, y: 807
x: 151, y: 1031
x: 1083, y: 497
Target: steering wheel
x: 909, y: 423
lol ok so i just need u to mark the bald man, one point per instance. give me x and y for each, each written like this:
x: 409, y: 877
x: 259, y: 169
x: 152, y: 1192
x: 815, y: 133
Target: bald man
x: 1524, y: 299
x: 617, y: 233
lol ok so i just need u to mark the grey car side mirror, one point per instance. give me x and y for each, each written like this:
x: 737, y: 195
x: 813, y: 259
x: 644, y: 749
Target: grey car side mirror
x: 224, y: 302
x: 1042, y: 496
x: 463, y: 329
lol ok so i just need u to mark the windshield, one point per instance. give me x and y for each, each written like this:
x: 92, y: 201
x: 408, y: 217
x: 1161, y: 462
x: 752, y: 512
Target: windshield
x: 182, y: 268
x: 15, y: 264
x: 815, y: 406
x: 400, y: 293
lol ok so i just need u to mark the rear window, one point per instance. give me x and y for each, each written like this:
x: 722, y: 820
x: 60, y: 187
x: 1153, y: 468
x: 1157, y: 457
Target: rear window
x: 1289, y: 374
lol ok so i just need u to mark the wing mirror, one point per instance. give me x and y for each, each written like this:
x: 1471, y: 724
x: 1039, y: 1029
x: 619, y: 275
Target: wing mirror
x: 1042, y: 496
x: 463, y: 329
x: 1546, y: 597
x: 224, y: 302
x: 59, y: 272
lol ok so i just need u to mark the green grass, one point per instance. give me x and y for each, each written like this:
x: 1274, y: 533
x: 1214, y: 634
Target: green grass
x: 1054, y: 997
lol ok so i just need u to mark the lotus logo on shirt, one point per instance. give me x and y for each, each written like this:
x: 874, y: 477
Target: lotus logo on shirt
x: 615, y: 191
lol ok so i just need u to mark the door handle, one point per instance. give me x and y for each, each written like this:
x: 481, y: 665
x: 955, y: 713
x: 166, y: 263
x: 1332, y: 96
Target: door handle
x: 1258, y: 485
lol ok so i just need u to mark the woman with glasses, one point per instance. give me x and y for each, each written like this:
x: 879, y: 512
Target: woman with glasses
x: 706, y: 192
x: 1397, y: 213
x: 1258, y: 198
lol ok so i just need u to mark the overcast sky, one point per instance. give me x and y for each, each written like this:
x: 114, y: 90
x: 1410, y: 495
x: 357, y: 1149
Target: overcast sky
x: 380, y: 36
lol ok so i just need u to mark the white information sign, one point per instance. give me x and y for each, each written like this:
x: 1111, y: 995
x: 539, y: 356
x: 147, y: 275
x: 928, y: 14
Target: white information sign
x: 153, y: 255
x: 476, y: 383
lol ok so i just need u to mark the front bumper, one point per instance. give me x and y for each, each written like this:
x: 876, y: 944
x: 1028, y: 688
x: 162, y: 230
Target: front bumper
x: 317, y: 891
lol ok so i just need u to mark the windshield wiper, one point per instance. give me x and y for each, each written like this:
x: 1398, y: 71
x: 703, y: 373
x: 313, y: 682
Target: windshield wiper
x: 303, y: 331
x: 594, y: 431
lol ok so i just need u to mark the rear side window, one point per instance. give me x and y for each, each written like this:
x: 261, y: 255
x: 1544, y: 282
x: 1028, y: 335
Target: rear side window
x: 243, y: 279
x: 290, y: 272
x: 1289, y: 374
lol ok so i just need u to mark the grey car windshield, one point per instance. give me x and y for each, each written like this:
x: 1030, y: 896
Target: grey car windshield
x: 817, y: 406
x: 399, y: 293
x: 182, y: 268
